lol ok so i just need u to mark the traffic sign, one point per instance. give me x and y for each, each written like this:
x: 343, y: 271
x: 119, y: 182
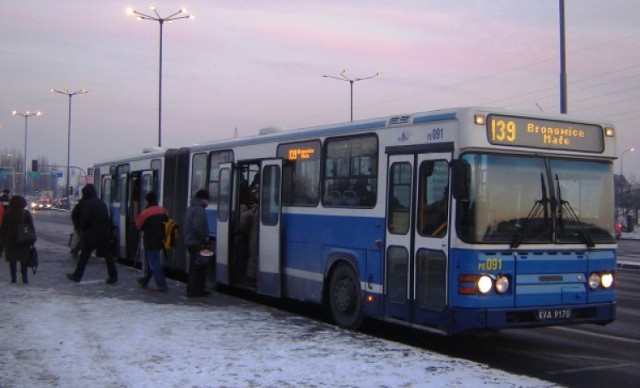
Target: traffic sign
x: 57, y: 174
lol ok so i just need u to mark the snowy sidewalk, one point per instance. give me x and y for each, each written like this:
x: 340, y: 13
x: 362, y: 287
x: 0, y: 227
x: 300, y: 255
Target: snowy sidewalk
x: 57, y: 333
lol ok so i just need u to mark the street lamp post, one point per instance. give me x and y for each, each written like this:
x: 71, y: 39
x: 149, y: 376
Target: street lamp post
x: 621, y: 155
x: 160, y: 20
x: 343, y: 77
x: 563, y: 62
x: 69, y: 94
x: 26, y: 116
x: 620, y: 188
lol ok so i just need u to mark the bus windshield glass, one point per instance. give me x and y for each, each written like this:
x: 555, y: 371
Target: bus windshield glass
x: 536, y: 200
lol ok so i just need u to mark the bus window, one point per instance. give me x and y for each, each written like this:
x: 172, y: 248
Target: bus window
x: 198, y: 173
x: 147, y: 186
x: 300, y: 173
x: 269, y: 196
x: 399, y: 198
x: 224, y: 195
x: 433, y: 198
x: 156, y: 167
x: 351, y: 172
x: 105, y: 192
x: 121, y: 169
x: 215, y: 158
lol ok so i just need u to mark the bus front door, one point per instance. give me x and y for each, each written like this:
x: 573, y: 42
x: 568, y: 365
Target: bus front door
x: 417, y: 237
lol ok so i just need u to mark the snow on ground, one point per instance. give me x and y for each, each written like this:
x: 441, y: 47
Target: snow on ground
x: 51, y: 338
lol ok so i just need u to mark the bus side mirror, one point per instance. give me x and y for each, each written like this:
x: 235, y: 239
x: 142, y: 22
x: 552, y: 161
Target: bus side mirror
x: 461, y: 177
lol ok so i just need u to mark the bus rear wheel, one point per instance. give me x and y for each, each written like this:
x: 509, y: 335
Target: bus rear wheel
x: 345, y: 301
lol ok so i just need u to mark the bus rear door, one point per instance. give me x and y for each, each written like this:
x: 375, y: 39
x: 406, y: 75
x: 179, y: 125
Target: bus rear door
x: 417, y: 237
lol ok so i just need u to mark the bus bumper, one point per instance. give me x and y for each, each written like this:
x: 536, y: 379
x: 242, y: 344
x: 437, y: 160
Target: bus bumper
x: 464, y: 320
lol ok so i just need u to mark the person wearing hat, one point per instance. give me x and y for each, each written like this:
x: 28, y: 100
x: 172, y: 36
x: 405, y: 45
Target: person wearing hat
x: 151, y: 222
x: 196, y: 235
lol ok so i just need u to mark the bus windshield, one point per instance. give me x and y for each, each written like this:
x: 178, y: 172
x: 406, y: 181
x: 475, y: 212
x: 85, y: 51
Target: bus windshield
x: 536, y: 200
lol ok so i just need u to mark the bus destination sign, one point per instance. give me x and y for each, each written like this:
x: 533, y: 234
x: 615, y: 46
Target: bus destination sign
x: 541, y: 133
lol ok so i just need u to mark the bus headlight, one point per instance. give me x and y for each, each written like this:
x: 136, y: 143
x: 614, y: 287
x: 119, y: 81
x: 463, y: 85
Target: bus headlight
x: 485, y: 284
x: 606, y: 280
x: 502, y: 284
x: 594, y: 280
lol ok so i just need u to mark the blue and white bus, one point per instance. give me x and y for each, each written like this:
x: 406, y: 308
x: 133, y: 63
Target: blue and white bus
x: 452, y: 221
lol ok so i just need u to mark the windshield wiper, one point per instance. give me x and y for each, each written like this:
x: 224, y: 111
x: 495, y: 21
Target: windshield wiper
x: 565, y: 205
x: 540, y: 206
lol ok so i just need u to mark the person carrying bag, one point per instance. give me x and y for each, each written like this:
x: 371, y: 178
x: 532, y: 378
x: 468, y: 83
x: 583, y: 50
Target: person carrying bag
x: 18, y: 235
x: 26, y: 232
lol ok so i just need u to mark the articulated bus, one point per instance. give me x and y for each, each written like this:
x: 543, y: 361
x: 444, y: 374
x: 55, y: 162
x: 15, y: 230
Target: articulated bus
x: 452, y: 221
x: 123, y: 185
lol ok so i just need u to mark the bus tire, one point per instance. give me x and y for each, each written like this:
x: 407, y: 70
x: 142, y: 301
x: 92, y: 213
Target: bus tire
x: 345, y: 298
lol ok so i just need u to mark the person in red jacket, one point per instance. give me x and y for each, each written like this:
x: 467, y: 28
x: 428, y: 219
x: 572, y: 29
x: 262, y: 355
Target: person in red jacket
x: 151, y: 222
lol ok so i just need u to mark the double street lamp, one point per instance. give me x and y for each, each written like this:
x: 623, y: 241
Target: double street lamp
x: 26, y: 116
x: 180, y: 14
x: 69, y: 94
x: 343, y: 77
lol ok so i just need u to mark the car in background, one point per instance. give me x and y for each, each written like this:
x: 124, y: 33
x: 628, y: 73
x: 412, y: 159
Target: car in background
x: 62, y: 203
x: 42, y: 204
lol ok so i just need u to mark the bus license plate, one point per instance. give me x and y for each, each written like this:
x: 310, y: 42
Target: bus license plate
x: 553, y: 314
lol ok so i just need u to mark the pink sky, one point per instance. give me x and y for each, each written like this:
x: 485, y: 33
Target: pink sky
x: 251, y: 64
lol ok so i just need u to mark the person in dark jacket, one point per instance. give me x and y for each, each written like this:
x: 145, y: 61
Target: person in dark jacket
x: 196, y: 234
x: 76, y: 236
x: 151, y: 222
x: 14, y: 252
x: 95, y: 230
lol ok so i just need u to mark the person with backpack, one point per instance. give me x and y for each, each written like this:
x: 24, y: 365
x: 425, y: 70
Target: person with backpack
x: 15, y: 215
x: 151, y: 221
x: 196, y: 235
x: 96, y: 235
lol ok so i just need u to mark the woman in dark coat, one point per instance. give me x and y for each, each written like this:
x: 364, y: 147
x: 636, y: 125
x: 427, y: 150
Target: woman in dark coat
x: 14, y: 252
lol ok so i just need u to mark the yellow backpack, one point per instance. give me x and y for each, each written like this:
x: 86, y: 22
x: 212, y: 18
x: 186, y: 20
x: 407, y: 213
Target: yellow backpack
x: 171, y: 233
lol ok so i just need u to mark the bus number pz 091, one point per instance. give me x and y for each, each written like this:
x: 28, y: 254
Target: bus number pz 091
x: 502, y: 130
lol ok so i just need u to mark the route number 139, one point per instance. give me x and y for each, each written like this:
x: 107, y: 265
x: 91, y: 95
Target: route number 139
x: 502, y: 130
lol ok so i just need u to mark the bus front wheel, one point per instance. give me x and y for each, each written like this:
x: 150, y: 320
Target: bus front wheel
x: 345, y: 301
